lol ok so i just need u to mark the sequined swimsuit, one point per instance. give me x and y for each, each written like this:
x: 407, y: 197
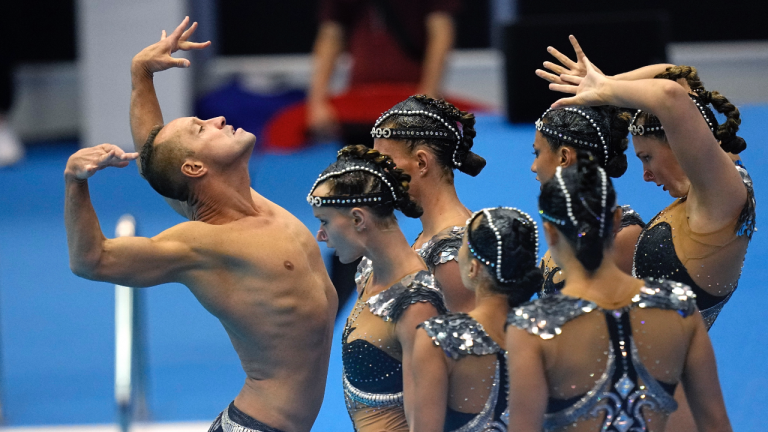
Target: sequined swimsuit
x: 460, y: 336
x: 372, y: 371
x: 626, y: 388
x: 629, y: 217
x: 659, y: 253
x: 442, y: 247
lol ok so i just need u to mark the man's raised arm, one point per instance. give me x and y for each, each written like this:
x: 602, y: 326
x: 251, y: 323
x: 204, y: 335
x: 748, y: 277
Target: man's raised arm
x: 145, y: 110
x: 130, y: 261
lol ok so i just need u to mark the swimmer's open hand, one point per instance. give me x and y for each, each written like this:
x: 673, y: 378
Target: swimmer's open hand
x: 592, y: 89
x: 157, y: 57
x: 87, y: 161
x: 568, y: 67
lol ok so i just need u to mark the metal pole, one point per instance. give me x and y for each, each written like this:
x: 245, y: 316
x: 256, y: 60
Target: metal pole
x: 128, y: 350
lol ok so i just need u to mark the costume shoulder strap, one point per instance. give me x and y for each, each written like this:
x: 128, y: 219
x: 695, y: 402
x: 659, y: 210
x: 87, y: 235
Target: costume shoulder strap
x: 417, y: 287
x: 545, y: 317
x: 666, y: 294
x: 364, y: 270
x: 443, y: 247
x: 459, y: 335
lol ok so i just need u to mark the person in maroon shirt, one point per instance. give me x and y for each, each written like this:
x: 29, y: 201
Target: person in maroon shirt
x: 401, y: 42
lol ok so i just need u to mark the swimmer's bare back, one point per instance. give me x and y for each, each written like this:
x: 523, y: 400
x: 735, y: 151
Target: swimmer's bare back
x: 261, y: 275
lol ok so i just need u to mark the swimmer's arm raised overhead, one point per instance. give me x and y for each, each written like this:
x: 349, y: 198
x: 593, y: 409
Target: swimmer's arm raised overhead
x: 145, y: 112
x: 130, y: 261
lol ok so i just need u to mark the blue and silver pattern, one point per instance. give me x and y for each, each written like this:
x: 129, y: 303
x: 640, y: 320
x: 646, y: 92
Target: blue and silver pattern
x: 615, y: 395
x: 460, y: 335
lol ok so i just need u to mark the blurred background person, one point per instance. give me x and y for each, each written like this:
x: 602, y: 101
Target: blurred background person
x: 392, y: 42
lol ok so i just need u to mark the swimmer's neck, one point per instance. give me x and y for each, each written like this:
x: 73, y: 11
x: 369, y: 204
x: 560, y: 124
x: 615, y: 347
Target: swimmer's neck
x: 217, y: 203
x: 442, y: 209
x: 392, y: 258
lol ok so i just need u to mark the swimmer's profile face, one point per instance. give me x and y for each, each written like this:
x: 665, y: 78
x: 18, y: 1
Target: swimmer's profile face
x: 660, y: 165
x: 545, y: 160
x: 337, y: 229
x: 213, y: 140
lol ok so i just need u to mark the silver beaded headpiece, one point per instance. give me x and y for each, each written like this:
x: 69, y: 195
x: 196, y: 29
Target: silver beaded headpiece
x: 452, y: 133
x: 567, y: 136
x: 352, y: 200
x: 496, y: 264
x: 569, y: 205
x: 653, y: 124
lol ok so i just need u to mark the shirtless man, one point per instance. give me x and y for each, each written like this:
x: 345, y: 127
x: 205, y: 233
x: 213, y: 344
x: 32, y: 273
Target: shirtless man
x: 248, y: 261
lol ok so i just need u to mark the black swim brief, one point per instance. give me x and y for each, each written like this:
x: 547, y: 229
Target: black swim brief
x: 234, y: 420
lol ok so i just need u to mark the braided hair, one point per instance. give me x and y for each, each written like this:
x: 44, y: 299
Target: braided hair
x: 468, y: 162
x: 609, y: 118
x: 519, y: 249
x: 580, y: 202
x: 726, y: 132
x: 361, y: 182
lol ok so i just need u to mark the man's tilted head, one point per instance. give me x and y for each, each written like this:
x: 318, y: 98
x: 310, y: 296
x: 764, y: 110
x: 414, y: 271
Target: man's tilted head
x: 161, y: 163
x: 189, y: 148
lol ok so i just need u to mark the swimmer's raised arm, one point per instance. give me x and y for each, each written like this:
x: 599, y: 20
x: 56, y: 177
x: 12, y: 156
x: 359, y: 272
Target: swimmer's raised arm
x: 130, y: 261
x: 145, y: 110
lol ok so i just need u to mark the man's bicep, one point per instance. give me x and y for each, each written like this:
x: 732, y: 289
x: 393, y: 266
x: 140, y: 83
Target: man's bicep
x: 143, y: 262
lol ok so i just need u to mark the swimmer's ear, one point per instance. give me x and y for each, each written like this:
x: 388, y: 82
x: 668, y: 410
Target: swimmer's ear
x: 424, y: 160
x: 474, y: 268
x: 567, y: 156
x: 359, y: 219
x: 551, y: 234
x: 193, y: 168
x: 617, y: 215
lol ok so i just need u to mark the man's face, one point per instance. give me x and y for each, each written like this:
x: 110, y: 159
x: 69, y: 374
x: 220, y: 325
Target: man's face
x: 213, y: 141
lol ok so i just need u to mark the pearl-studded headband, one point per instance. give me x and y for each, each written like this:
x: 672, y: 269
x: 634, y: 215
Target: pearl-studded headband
x: 398, y: 133
x: 526, y: 219
x: 352, y: 200
x: 653, y: 124
x: 567, y: 136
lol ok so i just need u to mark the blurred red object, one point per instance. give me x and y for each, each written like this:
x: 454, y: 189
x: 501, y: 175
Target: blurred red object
x: 287, y: 130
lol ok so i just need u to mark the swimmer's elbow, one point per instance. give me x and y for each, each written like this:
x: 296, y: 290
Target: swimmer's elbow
x: 84, y: 267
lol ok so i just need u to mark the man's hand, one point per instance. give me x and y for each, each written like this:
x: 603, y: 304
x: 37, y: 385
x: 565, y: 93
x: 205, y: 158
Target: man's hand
x: 569, y: 67
x: 87, y: 161
x: 157, y: 57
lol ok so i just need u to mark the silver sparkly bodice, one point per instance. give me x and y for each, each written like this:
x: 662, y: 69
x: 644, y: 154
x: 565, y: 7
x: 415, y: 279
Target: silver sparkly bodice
x: 367, y: 366
x: 460, y: 335
x: 442, y: 247
x: 625, y: 387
